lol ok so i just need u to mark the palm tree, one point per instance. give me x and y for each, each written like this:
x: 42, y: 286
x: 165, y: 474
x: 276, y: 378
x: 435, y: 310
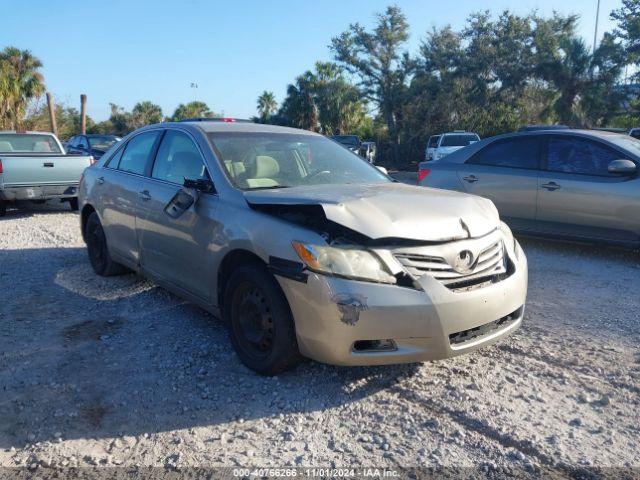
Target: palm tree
x: 299, y: 106
x: 20, y: 81
x: 145, y: 113
x: 192, y: 110
x: 266, y: 106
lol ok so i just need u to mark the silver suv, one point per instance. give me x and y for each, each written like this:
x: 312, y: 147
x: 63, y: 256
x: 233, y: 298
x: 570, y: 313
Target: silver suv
x: 304, y: 248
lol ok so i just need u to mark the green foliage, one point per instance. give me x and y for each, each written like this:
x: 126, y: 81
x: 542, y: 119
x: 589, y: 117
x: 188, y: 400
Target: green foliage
x: 192, y: 110
x: 20, y: 82
x: 267, y: 106
x: 377, y: 60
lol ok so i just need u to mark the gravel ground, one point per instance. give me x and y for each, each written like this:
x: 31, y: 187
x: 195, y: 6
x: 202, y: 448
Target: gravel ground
x: 117, y: 371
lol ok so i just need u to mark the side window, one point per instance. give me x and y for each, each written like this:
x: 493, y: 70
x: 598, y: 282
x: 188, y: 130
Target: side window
x: 512, y: 153
x: 178, y: 158
x: 137, y: 152
x: 577, y: 155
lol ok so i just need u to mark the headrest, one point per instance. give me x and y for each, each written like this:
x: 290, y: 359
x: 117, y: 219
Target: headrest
x: 266, y: 167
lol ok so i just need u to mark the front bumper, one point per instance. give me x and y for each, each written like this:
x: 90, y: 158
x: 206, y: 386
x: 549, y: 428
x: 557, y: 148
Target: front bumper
x: 39, y: 192
x: 332, y: 314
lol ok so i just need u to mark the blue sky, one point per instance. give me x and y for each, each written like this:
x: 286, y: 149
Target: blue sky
x: 125, y: 51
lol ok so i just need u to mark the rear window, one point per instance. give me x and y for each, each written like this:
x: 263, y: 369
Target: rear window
x: 458, y: 140
x: 26, y: 143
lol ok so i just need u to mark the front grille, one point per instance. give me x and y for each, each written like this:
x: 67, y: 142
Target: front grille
x: 489, y: 267
x: 471, y: 334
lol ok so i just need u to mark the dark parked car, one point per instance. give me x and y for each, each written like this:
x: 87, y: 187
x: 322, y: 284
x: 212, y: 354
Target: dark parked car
x: 91, y: 144
x: 352, y: 142
x: 573, y: 184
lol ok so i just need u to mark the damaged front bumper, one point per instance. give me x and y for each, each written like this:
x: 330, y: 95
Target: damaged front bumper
x: 348, y: 322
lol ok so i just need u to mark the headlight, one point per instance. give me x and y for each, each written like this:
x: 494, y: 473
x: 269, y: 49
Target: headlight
x: 343, y: 262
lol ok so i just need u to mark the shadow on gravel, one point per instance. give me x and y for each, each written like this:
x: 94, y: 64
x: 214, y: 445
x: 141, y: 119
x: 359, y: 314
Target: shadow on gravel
x: 87, y: 357
x: 25, y: 209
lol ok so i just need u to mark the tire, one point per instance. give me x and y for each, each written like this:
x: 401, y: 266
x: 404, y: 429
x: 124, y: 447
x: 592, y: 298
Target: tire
x: 99, y: 257
x: 260, y: 321
x: 3, y: 208
x: 73, y: 203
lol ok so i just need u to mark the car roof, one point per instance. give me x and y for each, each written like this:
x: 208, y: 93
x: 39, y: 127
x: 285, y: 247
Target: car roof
x: 23, y: 132
x: 209, y: 127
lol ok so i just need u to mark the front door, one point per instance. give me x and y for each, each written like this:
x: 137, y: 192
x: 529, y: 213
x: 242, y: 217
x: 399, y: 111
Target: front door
x: 122, y: 179
x: 177, y: 249
x: 579, y: 198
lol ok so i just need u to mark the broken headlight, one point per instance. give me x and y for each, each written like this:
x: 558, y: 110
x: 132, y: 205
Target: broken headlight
x: 343, y: 262
x: 508, y: 237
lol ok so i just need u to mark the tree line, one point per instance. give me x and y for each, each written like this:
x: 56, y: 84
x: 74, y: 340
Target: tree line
x: 495, y: 74
x: 492, y: 76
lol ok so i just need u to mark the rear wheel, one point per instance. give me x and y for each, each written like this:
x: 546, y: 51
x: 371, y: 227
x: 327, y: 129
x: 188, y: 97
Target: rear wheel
x: 260, y: 321
x: 73, y: 203
x: 99, y: 257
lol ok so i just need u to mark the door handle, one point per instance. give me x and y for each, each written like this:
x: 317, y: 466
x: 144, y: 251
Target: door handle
x: 47, y: 164
x: 470, y: 178
x: 551, y: 186
x: 100, y: 180
x: 144, y: 195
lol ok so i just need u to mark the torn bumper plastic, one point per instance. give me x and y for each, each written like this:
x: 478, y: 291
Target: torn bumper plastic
x: 332, y: 314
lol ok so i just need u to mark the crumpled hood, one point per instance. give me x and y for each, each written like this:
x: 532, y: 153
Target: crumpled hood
x: 392, y: 210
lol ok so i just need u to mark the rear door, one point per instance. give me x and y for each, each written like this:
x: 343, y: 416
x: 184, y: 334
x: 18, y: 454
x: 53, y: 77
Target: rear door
x: 579, y: 198
x: 118, y: 189
x: 177, y: 249
x: 506, y: 172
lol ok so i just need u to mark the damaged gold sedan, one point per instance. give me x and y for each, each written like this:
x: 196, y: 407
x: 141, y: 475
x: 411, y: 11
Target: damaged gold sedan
x: 304, y: 248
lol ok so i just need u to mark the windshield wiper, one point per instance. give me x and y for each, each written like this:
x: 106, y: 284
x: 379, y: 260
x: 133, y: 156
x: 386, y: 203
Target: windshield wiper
x: 271, y: 187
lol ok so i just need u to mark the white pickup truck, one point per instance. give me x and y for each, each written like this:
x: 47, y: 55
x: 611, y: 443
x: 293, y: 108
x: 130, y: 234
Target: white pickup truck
x: 35, y: 167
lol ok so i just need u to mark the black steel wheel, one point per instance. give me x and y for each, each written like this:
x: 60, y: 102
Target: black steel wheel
x: 260, y: 321
x: 97, y: 249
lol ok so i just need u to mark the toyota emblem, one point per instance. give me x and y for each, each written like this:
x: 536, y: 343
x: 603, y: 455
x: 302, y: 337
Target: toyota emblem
x: 464, y: 262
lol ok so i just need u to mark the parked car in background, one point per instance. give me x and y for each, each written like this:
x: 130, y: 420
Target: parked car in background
x: 635, y: 133
x: 90, y: 144
x: 33, y: 166
x: 369, y: 151
x: 352, y: 142
x: 303, y: 248
x: 432, y: 144
x: 452, y: 141
x: 570, y: 184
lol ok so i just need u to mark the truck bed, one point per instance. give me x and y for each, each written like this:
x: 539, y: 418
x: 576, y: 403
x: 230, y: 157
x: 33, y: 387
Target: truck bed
x: 40, y: 176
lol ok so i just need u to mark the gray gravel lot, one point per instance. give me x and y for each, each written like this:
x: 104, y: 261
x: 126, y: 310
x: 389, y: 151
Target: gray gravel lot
x: 117, y: 371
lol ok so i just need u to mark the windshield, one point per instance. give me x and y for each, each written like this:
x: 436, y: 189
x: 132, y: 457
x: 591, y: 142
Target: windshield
x: 350, y: 140
x: 626, y: 142
x: 28, y: 143
x: 278, y: 160
x: 458, y: 140
x: 103, y: 142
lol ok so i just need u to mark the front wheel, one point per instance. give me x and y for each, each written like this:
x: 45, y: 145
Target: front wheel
x: 260, y: 321
x: 99, y: 257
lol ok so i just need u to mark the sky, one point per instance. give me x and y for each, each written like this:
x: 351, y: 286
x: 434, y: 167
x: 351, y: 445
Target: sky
x: 127, y: 51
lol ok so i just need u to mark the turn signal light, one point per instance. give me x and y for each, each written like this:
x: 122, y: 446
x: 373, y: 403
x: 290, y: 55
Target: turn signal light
x: 422, y: 173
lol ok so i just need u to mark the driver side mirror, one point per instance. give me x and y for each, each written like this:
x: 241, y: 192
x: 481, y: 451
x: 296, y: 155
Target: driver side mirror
x: 200, y: 185
x: 623, y: 167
